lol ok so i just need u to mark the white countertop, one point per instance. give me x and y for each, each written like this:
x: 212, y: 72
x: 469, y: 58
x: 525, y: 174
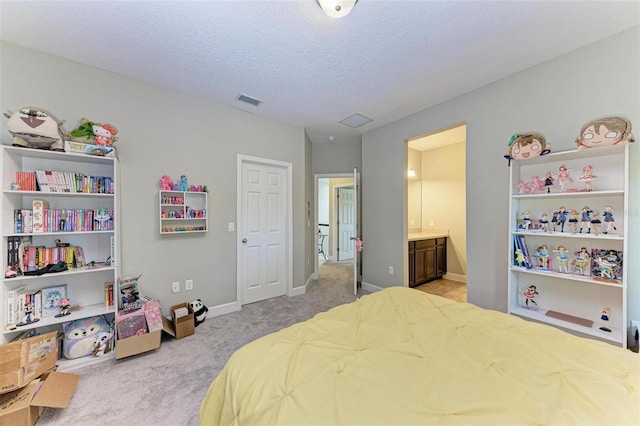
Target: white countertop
x: 427, y: 234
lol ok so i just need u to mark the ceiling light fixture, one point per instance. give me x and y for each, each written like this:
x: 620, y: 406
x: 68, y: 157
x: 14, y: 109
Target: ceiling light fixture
x: 411, y: 173
x: 337, y: 8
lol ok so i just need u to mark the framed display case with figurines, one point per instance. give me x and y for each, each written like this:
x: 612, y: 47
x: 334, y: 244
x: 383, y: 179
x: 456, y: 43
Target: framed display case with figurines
x: 568, y: 235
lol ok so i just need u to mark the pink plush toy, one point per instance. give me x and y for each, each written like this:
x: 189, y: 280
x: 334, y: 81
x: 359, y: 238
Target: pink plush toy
x: 166, y: 184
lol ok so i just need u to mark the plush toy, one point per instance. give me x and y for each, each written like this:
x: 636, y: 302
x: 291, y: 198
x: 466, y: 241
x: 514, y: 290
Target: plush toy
x: 199, y: 311
x: 79, y: 336
x: 94, y: 133
x: 33, y: 127
x: 101, y: 342
x: 524, y: 146
x: 605, y: 131
x: 166, y: 183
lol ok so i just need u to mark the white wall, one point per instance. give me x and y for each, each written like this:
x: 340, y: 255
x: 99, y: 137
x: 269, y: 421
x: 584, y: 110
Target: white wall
x: 165, y: 132
x: 556, y: 98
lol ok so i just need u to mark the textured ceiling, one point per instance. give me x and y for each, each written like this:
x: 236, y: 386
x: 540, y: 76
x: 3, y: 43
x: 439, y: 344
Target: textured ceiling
x: 385, y: 60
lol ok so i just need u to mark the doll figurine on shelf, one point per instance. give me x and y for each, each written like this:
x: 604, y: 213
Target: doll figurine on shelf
x: 604, y: 316
x: 585, y: 219
x: 595, y: 222
x: 608, y: 219
x: 563, y: 177
x: 563, y: 260
x: 573, y: 220
x: 529, y: 296
x: 548, y: 181
x: 562, y: 217
x: 64, y: 304
x: 526, y: 219
x: 544, y: 222
x: 581, y: 261
x: 588, y: 177
x: 542, y: 254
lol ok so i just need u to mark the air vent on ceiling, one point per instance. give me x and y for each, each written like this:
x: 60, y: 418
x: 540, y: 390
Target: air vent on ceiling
x: 356, y: 120
x: 248, y: 100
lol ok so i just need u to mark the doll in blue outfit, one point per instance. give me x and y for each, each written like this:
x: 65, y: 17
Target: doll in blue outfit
x: 608, y: 219
x: 586, y: 219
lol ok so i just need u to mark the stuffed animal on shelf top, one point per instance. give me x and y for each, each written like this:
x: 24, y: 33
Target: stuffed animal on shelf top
x: 527, y: 145
x: 33, y: 127
x: 605, y: 131
x: 94, y: 133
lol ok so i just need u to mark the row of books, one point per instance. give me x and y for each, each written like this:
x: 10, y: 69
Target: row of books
x: 54, y: 181
x: 24, y: 257
x: 37, y: 220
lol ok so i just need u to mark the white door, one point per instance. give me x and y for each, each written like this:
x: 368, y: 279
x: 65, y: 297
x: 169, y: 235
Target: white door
x: 356, y: 231
x: 262, y: 230
x: 346, y: 223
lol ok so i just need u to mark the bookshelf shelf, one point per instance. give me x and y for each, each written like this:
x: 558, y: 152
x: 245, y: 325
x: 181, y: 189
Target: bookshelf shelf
x: 182, y: 212
x: 568, y: 288
x: 70, y: 172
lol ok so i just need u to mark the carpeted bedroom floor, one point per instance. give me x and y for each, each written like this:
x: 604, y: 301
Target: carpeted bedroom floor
x: 166, y: 386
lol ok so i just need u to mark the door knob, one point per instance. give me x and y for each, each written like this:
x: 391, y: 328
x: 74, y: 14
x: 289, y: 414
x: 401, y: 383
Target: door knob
x: 244, y: 241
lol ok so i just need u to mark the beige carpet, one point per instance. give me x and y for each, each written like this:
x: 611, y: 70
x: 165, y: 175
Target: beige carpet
x: 166, y: 386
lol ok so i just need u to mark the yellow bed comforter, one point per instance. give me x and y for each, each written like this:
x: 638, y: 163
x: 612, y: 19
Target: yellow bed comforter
x: 404, y: 357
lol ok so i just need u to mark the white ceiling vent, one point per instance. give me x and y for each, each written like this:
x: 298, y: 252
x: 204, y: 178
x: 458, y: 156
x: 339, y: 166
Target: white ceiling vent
x: 248, y: 100
x: 356, y: 120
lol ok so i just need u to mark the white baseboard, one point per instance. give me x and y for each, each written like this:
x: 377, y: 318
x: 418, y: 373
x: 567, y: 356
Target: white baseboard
x: 370, y: 287
x: 455, y: 277
x: 227, y: 308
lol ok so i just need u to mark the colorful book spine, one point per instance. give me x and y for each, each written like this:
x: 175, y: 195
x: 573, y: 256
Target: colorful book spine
x: 39, y: 207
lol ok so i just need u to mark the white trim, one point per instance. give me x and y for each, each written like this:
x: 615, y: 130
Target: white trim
x: 288, y: 167
x: 455, y: 277
x: 371, y: 288
x: 315, y: 213
x: 224, y: 309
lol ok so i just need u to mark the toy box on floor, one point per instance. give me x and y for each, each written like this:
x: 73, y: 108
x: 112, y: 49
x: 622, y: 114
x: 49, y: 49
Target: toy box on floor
x: 182, y: 321
x: 139, y: 331
x: 28, y: 383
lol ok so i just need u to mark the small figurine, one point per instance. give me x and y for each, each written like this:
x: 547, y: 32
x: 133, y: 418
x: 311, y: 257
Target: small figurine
x: 28, y: 315
x: 542, y: 254
x: 523, y: 146
x: 604, y: 268
x: 544, y: 222
x: 573, y: 220
x: 595, y: 222
x: 588, y: 177
x: 563, y: 177
x: 608, y: 219
x: 586, y: 219
x: 62, y: 219
x: 521, y: 188
x: 15, y: 186
x: 562, y: 217
x: 581, y: 261
x: 548, y: 181
x: 534, y: 185
x: 554, y: 220
x: 183, y: 183
x: 604, y: 316
x: 64, y: 304
x: 519, y: 258
x: 604, y: 131
x: 563, y: 260
x: 530, y: 295
x: 9, y: 272
x: 526, y: 219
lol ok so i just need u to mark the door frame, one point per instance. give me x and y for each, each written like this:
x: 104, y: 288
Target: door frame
x: 288, y: 187
x: 315, y: 212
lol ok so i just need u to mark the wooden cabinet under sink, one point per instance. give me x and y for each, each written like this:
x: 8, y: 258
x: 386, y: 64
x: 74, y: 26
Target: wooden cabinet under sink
x: 427, y: 260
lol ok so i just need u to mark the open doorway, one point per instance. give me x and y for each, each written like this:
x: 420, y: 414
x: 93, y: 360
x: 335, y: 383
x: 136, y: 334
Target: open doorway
x: 333, y: 219
x: 436, y: 199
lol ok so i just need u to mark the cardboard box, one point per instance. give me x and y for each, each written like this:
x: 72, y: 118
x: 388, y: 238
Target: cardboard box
x: 87, y: 148
x: 180, y: 327
x: 24, y: 406
x: 138, y: 344
x: 25, y: 360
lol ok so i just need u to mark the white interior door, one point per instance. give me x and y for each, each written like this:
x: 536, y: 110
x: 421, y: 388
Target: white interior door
x: 346, y: 223
x: 262, y: 231
x: 356, y: 230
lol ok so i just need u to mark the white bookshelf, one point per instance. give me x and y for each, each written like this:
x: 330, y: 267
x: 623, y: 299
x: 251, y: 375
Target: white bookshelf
x: 85, y: 286
x: 571, y: 293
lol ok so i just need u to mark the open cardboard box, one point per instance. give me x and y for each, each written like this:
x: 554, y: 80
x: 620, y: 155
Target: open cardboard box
x: 24, y: 406
x: 135, y: 345
x: 179, y: 327
x: 27, y: 382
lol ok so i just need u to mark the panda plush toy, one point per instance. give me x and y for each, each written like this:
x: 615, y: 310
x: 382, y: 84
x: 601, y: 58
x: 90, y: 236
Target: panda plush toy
x: 199, y: 311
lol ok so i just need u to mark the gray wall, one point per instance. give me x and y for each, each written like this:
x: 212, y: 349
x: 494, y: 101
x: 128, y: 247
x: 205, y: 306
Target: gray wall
x: 337, y: 157
x: 166, y: 132
x: 556, y: 98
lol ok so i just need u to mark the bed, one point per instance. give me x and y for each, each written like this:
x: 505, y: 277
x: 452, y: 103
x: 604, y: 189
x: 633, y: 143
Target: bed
x: 404, y: 357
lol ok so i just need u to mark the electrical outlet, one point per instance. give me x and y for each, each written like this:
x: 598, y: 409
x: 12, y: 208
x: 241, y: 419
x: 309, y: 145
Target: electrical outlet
x: 188, y: 285
x: 390, y: 270
x: 175, y: 287
x: 231, y: 226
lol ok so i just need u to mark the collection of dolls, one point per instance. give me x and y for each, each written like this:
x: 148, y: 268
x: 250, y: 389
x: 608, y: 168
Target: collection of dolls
x: 587, y: 221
